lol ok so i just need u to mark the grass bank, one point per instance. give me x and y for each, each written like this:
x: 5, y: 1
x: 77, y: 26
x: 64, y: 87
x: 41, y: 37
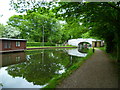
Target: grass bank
x: 57, y: 79
x: 101, y: 48
x: 48, y: 46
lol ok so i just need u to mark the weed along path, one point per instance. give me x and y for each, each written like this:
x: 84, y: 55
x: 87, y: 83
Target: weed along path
x: 97, y: 72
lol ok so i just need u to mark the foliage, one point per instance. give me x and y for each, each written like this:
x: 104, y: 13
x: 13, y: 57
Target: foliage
x: 8, y: 31
x: 36, y: 26
x: 24, y: 5
x: 30, y: 44
x: 73, y: 29
x: 2, y: 28
x: 11, y: 32
x: 101, y: 19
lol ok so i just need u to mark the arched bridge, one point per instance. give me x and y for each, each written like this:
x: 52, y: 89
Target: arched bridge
x: 76, y: 42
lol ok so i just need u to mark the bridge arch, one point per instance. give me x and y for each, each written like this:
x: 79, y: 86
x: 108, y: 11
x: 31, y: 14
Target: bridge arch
x: 76, y: 42
x: 84, y: 44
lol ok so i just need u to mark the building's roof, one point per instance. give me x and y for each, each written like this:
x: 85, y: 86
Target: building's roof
x: 13, y: 39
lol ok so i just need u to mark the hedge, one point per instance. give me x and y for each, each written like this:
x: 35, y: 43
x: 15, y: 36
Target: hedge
x: 39, y: 44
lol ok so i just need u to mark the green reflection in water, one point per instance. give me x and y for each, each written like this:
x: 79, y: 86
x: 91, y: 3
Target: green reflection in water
x: 42, y: 65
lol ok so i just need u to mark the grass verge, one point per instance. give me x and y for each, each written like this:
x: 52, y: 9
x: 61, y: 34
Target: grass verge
x: 57, y: 79
x: 48, y: 46
x: 101, y: 48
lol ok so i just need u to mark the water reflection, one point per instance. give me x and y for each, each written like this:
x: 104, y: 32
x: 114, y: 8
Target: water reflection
x: 34, y: 69
x: 75, y: 52
x: 12, y: 58
x: 17, y: 82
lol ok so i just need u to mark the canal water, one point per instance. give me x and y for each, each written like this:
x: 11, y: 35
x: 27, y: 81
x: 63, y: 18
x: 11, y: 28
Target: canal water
x: 35, y: 68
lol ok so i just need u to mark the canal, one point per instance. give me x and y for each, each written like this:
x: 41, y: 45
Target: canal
x: 35, y: 68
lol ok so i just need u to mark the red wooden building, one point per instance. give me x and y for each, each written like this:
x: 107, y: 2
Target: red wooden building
x: 7, y: 44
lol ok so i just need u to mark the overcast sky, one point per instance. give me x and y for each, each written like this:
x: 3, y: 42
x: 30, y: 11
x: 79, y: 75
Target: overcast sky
x: 4, y: 10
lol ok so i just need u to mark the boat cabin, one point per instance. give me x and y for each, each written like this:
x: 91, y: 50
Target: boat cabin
x: 7, y: 44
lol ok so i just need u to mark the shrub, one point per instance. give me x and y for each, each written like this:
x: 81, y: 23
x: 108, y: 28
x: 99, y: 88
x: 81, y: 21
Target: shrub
x: 39, y: 44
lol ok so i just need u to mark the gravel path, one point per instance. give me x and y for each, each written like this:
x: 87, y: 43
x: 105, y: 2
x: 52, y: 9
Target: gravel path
x: 96, y: 72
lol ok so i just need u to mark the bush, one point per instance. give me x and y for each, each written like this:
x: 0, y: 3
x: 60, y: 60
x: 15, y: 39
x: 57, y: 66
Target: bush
x: 39, y: 44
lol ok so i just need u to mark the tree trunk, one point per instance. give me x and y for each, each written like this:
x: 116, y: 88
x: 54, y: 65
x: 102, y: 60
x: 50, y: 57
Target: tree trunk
x: 117, y: 47
x: 109, y: 45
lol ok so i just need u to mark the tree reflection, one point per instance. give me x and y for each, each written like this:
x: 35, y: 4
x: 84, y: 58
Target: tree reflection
x: 40, y: 68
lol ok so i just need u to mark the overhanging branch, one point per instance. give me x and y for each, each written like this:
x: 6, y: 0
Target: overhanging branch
x: 115, y: 7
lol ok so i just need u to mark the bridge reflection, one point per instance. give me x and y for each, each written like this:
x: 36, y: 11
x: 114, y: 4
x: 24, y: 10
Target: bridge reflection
x: 76, y: 52
x: 12, y: 58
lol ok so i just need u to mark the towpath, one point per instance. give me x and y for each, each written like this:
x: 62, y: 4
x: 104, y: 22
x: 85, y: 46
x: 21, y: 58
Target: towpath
x: 97, y: 72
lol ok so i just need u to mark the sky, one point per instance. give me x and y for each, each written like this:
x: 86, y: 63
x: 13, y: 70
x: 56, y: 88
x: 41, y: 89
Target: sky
x: 5, y: 12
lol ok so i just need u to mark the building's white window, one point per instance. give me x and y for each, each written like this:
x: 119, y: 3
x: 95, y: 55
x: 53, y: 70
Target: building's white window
x: 7, y: 44
x: 17, y: 44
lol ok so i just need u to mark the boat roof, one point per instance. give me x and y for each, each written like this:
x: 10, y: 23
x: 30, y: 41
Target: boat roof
x: 13, y: 39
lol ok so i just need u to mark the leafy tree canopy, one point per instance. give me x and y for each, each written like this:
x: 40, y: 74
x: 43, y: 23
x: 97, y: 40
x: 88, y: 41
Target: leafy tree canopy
x: 8, y: 31
x: 36, y: 24
x: 100, y: 19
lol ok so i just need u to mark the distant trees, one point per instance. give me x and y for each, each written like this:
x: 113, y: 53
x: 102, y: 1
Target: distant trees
x: 42, y: 16
x: 2, y: 28
x: 60, y: 34
x: 7, y: 31
x: 34, y: 25
x: 73, y: 29
x: 99, y: 19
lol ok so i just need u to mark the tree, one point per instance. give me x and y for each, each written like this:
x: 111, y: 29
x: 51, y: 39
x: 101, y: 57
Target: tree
x: 102, y: 20
x: 7, y: 31
x: 11, y: 32
x: 2, y: 28
x: 34, y: 24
